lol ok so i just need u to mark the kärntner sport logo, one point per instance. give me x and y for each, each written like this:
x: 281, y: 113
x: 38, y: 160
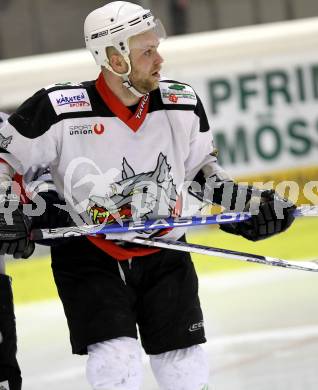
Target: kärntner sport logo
x: 76, y: 100
x: 91, y: 129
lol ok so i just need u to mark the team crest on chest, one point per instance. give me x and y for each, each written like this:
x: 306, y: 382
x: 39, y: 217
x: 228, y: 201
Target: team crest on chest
x: 138, y: 196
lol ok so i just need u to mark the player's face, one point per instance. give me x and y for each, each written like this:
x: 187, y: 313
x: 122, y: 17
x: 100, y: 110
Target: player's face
x: 145, y: 61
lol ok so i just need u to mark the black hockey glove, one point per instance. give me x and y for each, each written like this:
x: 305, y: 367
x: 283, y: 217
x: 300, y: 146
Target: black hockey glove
x: 51, y: 216
x: 14, y: 227
x: 272, y: 215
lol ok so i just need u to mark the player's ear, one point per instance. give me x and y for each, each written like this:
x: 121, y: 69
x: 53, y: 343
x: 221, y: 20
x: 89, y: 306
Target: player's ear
x: 116, y: 60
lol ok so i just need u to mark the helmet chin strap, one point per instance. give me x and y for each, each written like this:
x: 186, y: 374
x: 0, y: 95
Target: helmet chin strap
x: 127, y: 83
x: 125, y: 77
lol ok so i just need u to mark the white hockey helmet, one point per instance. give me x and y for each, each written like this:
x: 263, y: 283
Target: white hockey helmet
x: 113, y: 25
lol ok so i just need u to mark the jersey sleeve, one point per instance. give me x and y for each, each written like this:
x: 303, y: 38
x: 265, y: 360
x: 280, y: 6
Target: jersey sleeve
x: 40, y: 181
x: 28, y: 140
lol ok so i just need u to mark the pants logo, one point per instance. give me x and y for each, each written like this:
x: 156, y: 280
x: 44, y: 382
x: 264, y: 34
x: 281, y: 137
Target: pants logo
x: 196, y: 326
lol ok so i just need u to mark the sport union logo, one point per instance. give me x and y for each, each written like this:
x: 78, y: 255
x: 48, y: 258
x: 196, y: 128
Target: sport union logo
x: 97, y: 128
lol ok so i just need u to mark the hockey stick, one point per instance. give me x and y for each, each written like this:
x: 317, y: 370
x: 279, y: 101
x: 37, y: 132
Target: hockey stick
x: 163, y: 223
x: 128, y: 226
x: 226, y: 253
x: 306, y: 211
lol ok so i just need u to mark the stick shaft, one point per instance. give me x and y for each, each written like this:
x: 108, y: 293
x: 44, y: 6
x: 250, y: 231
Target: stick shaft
x: 163, y: 223
x: 226, y: 253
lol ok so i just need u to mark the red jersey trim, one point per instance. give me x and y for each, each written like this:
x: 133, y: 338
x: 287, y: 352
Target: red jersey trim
x: 18, y: 185
x: 19, y: 188
x: 118, y: 252
x: 134, y: 121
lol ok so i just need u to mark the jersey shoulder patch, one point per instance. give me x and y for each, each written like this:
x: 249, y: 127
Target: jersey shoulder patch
x: 69, y: 99
x: 174, y: 92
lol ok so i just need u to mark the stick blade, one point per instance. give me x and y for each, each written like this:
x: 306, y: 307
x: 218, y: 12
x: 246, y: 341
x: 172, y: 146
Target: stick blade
x: 310, y: 265
x: 306, y: 211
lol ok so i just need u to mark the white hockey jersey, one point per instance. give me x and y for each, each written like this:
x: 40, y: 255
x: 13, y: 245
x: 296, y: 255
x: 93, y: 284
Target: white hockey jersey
x: 107, y: 159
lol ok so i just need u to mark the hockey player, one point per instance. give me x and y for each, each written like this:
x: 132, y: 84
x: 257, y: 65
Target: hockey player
x: 10, y: 374
x: 122, y: 146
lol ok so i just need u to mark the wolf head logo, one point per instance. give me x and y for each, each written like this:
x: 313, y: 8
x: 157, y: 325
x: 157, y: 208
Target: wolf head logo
x: 5, y: 141
x: 139, y: 196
